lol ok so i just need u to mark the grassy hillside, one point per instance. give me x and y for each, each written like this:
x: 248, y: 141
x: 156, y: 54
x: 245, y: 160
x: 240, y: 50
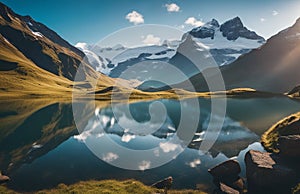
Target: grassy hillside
x: 105, y: 187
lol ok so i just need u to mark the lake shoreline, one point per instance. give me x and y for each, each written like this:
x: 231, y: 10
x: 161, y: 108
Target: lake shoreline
x: 105, y: 186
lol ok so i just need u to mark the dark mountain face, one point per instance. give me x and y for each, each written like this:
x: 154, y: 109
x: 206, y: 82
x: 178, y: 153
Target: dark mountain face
x: 231, y: 29
x: 50, y: 34
x: 228, y: 41
x: 42, y: 46
x: 273, y: 67
x: 206, y: 31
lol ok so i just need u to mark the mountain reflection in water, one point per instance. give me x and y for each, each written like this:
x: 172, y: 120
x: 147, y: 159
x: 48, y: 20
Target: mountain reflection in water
x: 40, y: 139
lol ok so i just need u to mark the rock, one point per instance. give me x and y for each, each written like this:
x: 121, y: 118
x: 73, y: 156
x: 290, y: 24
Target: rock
x: 295, y: 92
x: 239, y: 185
x: 266, y: 173
x: 3, y: 178
x: 226, y: 189
x: 164, y: 184
x: 227, y: 170
x: 289, y: 145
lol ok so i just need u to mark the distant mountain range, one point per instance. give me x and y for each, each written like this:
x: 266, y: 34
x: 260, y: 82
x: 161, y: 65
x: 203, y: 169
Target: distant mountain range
x: 35, y: 59
x: 228, y: 41
x: 225, y: 44
x: 273, y: 67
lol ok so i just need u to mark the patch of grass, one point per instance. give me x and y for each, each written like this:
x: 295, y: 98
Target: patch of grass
x: 6, y: 190
x: 287, y: 126
x: 105, y: 187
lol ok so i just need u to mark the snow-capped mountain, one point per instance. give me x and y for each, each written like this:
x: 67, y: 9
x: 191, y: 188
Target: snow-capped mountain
x: 274, y: 67
x: 107, y: 60
x: 96, y: 61
x: 225, y: 43
x: 228, y: 41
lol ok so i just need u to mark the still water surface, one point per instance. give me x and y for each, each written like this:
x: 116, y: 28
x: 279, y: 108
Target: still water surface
x: 41, y: 147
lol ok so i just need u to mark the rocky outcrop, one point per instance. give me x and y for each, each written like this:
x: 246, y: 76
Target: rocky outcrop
x: 265, y: 172
x: 290, y: 127
x: 226, y: 177
x: 227, y: 170
x: 289, y: 145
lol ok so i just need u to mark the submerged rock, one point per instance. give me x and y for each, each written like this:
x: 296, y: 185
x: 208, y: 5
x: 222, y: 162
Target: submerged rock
x: 289, y: 145
x: 227, y: 170
x: 266, y: 173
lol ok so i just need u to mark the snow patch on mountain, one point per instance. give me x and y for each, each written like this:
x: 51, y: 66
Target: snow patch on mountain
x: 106, y: 59
x: 220, y: 42
x: 228, y: 41
x: 37, y: 34
x: 97, y: 62
x: 151, y: 52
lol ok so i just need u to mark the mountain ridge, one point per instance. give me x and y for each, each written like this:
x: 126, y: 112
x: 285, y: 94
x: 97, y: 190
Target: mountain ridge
x: 41, y: 63
x: 272, y: 67
x: 231, y: 29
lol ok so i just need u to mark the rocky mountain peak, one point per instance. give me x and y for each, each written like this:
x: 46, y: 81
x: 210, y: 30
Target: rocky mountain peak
x: 234, y: 28
x: 234, y: 23
x: 207, y: 30
x: 214, y: 23
x: 231, y: 30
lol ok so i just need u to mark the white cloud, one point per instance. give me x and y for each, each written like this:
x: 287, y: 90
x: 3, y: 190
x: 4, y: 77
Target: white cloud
x: 151, y: 40
x: 156, y: 153
x: 262, y: 19
x: 195, y: 163
x: 193, y: 22
x: 274, y: 13
x: 144, y: 165
x: 82, y: 136
x: 82, y: 45
x: 135, y: 17
x: 127, y: 137
x: 109, y: 157
x: 168, y: 147
x: 172, y: 7
x: 93, y: 130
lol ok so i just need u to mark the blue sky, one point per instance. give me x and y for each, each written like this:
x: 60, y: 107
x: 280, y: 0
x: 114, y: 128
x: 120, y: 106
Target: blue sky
x: 91, y: 20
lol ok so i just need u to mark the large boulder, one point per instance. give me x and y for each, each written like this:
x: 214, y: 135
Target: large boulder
x: 289, y: 145
x: 229, y: 169
x: 3, y: 178
x: 266, y: 173
x: 226, y: 177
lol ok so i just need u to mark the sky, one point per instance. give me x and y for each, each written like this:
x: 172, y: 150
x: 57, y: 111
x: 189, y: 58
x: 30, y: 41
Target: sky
x: 92, y: 20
